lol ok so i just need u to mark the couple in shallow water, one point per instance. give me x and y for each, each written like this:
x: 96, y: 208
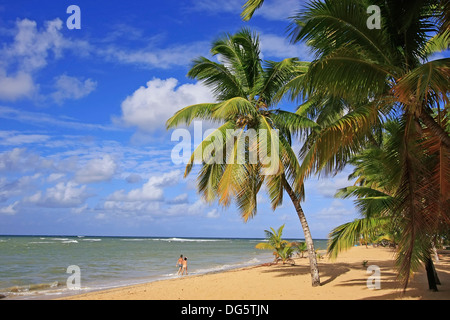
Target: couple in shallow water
x: 182, y: 265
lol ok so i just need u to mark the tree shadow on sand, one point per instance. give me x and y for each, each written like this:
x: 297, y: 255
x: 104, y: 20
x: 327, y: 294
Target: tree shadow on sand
x: 391, y: 288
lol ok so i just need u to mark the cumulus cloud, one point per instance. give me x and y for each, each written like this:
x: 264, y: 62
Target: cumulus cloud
x: 16, y: 187
x: 152, y: 190
x: 97, y: 170
x: 17, y: 86
x: 149, y: 200
x: 30, y: 50
x: 149, y: 107
x: 63, y: 195
x: 213, y: 214
x: 68, y: 87
x: 9, y: 210
x: 31, y: 47
x: 21, y: 160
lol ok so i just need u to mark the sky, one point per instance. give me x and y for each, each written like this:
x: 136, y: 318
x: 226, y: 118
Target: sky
x: 83, y: 144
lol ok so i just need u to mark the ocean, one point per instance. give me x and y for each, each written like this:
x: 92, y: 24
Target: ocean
x: 47, y: 267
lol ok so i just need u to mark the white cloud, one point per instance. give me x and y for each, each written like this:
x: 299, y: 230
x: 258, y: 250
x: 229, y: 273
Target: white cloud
x: 72, y: 88
x: 45, y: 120
x: 149, y: 107
x: 14, y: 138
x: 13, y: 87
x: 328, y: 187
x: 213, y: 214
x: 63, y: 195
x: 183, y: 209
x: 152, y: 190
x: 278, y: 10
x: 279, y: 47
x: 182, y: 198
x: 26, y: 54
x: 31, y: 47
x: 212, y: 6
x: 336, y: 212
x: 9, y: 210
x: 149, y: 200
x: 30, y: 51
x: 155, y: 57
x: 97, y: 170
x: 271, y: 9
x: 55, y: 177
x: 16, y: 187
x: 20, y: 160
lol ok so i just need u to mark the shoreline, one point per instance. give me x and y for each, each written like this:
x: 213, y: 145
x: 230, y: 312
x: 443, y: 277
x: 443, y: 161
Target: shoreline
x: 342, y: 279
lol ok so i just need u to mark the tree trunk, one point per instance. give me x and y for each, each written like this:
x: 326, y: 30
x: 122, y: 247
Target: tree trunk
x: 436, y: 128
x: 308, y: 238
x: 432, y: 277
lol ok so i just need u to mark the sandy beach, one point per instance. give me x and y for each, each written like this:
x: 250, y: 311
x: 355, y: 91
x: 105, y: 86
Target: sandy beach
x: 342, y: 279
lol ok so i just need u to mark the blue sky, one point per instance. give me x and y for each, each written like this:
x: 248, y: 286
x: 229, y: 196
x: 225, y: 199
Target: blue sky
x: 83, y: 148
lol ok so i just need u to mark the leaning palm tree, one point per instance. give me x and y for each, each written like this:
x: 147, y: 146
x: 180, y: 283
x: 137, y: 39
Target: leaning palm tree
x: 247, y: 91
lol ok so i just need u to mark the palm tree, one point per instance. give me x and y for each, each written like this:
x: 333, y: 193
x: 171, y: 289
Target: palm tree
x: 300, y: 248
x: 282, y: 249
x: 362, y: 76
x: 378, y: 74
x: 247, y: 91
x: 378, y: 192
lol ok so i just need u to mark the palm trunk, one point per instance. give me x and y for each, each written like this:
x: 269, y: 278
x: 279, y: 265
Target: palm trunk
x: 434, y: 127
x: 432, y: 277
x: 308, y: 238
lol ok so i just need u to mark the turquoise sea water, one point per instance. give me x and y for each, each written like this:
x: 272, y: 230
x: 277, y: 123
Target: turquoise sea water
x: 37, y: 266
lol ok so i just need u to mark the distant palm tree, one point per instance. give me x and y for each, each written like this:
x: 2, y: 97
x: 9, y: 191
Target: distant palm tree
x: 282, y: 249
x: 247, y: 90
x: 300, y: 248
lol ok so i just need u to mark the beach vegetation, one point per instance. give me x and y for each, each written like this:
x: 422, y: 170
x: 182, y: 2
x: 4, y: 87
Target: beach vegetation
x: 300, y: 248
x: 282, y: 249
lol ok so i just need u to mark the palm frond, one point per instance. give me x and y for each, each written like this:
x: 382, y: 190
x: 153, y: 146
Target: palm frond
x: 327, y: 25
x: 440, y: 42
x: 347, y: 235
x: 427, y: 84
x: 203, y: 111
x: 198, y: 156
x: 231, y: 109
x: 249, y: 8
x: 222, y: 81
